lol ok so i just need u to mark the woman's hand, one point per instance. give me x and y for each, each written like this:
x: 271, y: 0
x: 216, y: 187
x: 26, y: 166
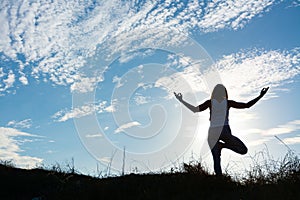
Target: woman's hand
x: 263, y: 91
x: 178, y: 96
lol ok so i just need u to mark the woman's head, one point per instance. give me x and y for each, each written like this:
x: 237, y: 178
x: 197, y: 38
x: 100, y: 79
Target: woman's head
x: 219, y: 93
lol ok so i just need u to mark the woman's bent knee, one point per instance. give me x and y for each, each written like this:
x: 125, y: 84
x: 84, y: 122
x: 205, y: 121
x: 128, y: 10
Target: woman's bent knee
x: 244, y: 151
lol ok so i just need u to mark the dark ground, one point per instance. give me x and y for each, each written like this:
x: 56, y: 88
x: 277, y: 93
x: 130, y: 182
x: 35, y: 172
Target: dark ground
x: 45, y: 184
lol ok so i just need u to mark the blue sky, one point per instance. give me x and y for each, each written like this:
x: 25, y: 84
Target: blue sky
x: 86, y: 79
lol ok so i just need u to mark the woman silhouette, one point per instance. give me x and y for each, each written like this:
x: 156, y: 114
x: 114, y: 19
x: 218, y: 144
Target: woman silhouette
x: 219, y: 133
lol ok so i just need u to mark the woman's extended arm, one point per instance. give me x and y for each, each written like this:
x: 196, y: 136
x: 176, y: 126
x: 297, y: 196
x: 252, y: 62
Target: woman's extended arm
x: 250, y: 103
x: 194, y: 109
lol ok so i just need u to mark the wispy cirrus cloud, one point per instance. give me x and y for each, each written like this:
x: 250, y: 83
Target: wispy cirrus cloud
x: 94, y: 135
x: 246, y: 72
x: 156, y: 23
x: 85, y: 110
x: 127, y: 126
x: 8, y: 80
x: 231, y: 14
x: 10, y: 148
x: 86, y: 84
x: 259, y: 141
x: 243, y: 73
x: 292, y: 140
x: 52, y: 40
x: 26, y: 123
x: 295, y: 3
x: 139, y: 99
x: 286, y: 130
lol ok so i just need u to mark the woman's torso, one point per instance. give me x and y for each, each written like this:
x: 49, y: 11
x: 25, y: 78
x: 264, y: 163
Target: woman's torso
x: 219, y: 113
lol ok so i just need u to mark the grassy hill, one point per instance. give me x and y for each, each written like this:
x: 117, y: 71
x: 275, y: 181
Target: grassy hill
x: 192, y: 182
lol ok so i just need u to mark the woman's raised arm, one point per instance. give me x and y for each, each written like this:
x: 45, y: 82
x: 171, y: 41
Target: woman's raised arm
x: 194, y: 109
x: 240, y: 105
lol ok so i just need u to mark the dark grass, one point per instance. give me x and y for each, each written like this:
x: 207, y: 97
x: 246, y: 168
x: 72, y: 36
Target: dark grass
x: 267, y: 180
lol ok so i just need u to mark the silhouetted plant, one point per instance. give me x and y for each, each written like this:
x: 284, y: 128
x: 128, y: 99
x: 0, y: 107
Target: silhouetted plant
x: 266, y: 170
x: 267, y: 178
x: 195, y: 167
x: 7, y: 163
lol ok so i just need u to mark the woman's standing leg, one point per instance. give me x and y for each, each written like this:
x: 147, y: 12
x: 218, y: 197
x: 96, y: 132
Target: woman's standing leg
x: 215, y: 146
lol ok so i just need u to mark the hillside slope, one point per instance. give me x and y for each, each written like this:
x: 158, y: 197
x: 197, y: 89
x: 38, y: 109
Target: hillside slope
x: 43, y: 184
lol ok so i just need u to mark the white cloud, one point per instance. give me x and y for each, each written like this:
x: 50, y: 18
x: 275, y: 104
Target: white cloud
x: 85, y: 110
x: 234, y: 14
x: 60, y: 37
x: 140, y: 99
x: 127, y: 126
x: 56, y: 36
x: 295, y: 3
x: 164, y: 20
x: 292, y: 140
x: 117, y: 80
x: 1, y: 72
x: 283, y: 129
x: 23, y: 80
x: 259, y: 141
x: 287, y: 128
x: 64, y: 115
x: 94, y: 135
x: 110, y: 108
x: 85, y: 84
x: 8, y: 80
x: 26, y: 123
x: 10, y: 149
x: 105, y: 159
x: 127, y: 56
x: 187, y: 80
x: 245, y: 73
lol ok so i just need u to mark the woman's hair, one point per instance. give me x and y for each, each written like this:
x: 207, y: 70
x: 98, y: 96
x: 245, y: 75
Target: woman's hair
x: 219, y: 92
